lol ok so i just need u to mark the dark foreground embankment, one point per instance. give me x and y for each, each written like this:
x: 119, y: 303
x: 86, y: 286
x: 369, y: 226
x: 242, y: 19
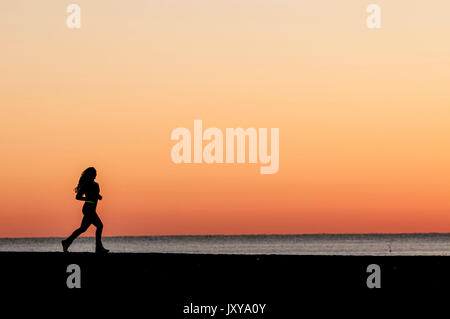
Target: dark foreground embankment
x: 167, y: 283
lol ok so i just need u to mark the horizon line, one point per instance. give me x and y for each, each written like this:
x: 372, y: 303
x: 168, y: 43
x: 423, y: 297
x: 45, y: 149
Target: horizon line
x: 244, y: 235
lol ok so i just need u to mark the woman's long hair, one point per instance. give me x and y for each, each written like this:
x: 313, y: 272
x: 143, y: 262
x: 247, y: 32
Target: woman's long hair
x: 86, y: 177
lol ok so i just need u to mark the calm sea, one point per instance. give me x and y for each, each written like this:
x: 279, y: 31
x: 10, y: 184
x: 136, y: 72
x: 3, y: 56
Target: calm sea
x: 367, y: 244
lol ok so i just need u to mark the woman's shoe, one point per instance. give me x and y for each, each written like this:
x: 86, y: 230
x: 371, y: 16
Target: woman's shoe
x: 101, y: 250
x: 65, y: 246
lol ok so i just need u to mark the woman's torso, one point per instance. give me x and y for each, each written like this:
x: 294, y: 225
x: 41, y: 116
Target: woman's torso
x: 91, y: 192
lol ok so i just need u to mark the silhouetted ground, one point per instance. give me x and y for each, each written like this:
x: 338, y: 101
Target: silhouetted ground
x: 164, y: 283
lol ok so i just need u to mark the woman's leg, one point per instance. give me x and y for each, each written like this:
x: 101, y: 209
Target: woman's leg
x: 85, y: 223
x: 98, y: 233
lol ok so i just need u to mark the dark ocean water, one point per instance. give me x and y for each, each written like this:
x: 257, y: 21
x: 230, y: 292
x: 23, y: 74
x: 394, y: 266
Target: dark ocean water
x: 364, y: 244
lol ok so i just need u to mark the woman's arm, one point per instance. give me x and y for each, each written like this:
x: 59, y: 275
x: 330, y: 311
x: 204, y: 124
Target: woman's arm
x: 80, y: 196
x: 98, y: 188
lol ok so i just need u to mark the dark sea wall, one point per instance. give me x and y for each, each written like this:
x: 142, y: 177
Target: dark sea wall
x: 175, y: 284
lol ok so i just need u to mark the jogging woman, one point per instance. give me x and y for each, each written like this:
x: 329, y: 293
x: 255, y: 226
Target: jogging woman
x: 88, y: 191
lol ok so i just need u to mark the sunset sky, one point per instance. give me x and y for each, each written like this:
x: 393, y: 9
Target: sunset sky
x: 364, y: 115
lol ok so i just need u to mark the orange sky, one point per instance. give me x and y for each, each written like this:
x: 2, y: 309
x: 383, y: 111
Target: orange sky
x: 363, y: 115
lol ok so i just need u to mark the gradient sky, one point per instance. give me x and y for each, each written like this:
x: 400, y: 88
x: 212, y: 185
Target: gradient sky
x: 363, y: 115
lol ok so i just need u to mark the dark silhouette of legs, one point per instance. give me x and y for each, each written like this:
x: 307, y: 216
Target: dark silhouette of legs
x: 98, y: 234
x: 90, y: 217
x: 85, y: 223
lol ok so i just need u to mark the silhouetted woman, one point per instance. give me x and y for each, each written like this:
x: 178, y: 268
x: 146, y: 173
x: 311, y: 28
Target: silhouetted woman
x: 91, y: 191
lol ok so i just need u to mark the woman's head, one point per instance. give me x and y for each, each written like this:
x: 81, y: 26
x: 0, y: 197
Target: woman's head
x: 86, y: 177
